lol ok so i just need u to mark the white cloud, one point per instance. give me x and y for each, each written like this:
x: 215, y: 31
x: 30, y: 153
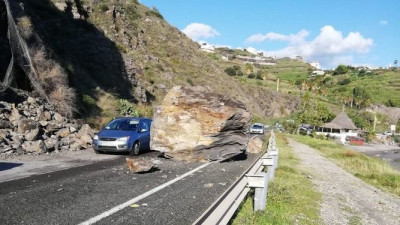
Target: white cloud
x: 384, y: 22
x: 272, y: 36
x: 199, y: 30
x: 330, y: 47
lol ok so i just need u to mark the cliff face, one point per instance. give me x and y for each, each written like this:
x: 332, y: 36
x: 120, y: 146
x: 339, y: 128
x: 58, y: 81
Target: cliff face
x: 89, y: 55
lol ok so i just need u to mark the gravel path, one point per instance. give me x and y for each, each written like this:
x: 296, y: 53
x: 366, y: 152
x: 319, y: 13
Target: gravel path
x: 346, y: 199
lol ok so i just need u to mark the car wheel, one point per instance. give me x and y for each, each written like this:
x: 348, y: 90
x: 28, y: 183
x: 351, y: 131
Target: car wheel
x: 97, y: 152
x: 135, y: 149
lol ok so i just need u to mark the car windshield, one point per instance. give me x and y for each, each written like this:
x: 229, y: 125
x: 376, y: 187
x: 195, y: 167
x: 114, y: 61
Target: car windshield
x: 123, y: 124
x: 257, y: 126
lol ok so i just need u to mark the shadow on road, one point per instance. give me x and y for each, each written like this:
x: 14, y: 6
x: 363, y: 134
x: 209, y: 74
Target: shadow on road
x: 7, y: 166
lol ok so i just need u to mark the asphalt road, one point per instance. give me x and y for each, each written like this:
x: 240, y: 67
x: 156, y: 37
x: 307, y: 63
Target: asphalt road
x: 77, y: 194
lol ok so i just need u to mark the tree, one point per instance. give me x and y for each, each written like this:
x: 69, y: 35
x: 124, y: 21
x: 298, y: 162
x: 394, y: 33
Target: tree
x: 249, y: 68
x: 395, y: 63
x: 312, y: 111
x: 361, y: 97
x: 341, y: 69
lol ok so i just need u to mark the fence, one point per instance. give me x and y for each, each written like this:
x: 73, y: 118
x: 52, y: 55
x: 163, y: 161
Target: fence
x: 19, y: 56
x: 223, y: 209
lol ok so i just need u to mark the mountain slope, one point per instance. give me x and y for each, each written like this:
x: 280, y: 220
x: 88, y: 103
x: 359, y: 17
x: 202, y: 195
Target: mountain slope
x: 112, y: 50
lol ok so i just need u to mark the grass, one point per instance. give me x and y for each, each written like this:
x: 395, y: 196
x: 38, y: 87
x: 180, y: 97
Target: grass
x: 374, y: 171
x: 291, y: 197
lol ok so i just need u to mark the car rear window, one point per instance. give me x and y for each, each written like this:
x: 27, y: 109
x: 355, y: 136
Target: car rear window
x: 123, y: 124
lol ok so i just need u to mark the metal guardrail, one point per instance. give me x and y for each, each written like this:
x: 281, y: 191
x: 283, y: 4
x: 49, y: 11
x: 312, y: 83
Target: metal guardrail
x: 222, y: 210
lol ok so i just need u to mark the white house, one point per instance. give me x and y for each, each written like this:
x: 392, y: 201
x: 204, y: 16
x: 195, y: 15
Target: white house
x: 315, y: 64
x: 206, y: 47
x: 340, y: 128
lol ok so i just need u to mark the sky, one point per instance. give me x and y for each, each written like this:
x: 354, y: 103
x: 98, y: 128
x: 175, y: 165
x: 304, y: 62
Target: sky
x: 350, y: 32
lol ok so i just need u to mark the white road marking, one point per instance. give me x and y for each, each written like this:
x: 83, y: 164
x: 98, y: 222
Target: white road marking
x: 138, y: 198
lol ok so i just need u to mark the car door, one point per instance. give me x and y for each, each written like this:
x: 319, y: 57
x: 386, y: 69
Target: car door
x: 144, y: 134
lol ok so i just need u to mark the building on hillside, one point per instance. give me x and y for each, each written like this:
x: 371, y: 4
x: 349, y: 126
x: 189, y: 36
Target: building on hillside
x: 315, y: 64
x: 340, y: 127
x: 316, y: 73
x: 206, y: 47
x: 257, y: 60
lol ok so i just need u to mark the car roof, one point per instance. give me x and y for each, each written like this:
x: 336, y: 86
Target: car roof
x: 259, y: 124
x: 130, y: 117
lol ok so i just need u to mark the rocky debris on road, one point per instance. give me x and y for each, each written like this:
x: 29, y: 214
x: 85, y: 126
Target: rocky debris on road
x: 34, y: 127
x: 138, y: 165
x: 193, y: 123
x: 255, y: 146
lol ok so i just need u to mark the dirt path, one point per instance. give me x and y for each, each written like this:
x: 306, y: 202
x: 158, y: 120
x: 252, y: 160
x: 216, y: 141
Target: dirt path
x: 346, y: 199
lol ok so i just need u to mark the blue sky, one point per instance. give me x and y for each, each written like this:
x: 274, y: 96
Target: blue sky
x: 352, y: 32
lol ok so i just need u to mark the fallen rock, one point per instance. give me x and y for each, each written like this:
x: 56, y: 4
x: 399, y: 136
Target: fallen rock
x: 86, y: 130
x: 5, y: 124
x: 15, y: 117
x: 31, y: 135
x: 199, y: 124
x: 139, y: 165
x: 58, y: 117
x: 26, y: 125
x: 43, y: 123
x: 51, y: 144
x: 34, y: 146
x: 63, y: 132
x: 255, y: 146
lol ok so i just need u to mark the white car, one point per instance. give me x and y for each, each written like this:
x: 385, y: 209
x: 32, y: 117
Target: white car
x: 257, y: 128
x: 389, y: 133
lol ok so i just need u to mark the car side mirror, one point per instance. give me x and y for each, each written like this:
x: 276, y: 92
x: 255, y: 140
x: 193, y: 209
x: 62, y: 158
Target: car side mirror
x: 143, y: 130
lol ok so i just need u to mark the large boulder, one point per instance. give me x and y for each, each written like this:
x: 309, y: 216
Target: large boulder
x: 199, y: 124
x: 255, y: 146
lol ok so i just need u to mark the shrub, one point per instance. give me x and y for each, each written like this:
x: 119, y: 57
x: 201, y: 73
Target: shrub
x: 259, y: 77
x: 88, y: 100
x: 127, y: 108
x: 345, y: 81
x: 393, y: 103
x: 190, y: 81
x: 251, y: 75
x: 230, y: 71
x: 104, y: 7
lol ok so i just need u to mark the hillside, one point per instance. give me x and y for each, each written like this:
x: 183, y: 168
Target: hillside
x: 90, y: 55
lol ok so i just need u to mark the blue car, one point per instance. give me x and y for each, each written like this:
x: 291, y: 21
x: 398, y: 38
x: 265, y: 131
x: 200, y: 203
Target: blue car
x: 124, y: 134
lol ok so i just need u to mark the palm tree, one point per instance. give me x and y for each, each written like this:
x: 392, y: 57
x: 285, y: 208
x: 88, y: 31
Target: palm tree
x: 395, y: 63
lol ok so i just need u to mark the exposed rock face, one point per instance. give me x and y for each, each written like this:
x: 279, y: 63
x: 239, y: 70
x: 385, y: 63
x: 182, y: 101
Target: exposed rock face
x: 32, y: 127
x: 392, y: 113
x: 204, y: 125
x: 255, y: 145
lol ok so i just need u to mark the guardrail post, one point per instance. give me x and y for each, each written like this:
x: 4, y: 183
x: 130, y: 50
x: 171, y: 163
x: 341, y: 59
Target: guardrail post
x: 259, y: 182
x: 268, y: 161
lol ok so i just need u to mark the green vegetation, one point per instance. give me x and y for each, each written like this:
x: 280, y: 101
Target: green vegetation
x: 127, y: 108
x: 341, y: 69
x: 291, y: 198
x: 374, y: 171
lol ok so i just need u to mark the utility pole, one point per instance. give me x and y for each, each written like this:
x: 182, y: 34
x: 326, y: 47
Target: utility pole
x: 374, y: 121
x: 277, y: 85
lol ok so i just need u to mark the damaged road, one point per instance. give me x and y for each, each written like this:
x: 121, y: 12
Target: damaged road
x: 78, y: 194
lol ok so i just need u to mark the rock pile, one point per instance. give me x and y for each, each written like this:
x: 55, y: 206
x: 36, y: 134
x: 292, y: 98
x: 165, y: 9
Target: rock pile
x: 33, y: 127
x: 193, y: 123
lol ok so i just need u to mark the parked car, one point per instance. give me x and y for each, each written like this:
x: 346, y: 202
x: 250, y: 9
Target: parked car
x: 124, y: 134
x: 306, y: 129
x: 257, y: 128
x: 389, y: 133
